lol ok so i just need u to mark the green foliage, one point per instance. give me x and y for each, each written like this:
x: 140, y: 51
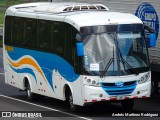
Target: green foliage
x: 1, y: 18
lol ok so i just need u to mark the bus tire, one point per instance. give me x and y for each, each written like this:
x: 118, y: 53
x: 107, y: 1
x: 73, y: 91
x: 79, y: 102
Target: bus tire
x: 152, y: 88
x: 69, y: 99
x: 30, y: 95
x: 127, y: 104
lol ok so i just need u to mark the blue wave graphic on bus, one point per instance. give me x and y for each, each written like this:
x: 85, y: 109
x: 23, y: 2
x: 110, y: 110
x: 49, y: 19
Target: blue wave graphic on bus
x: 48, y: 62
x: 25, y: 70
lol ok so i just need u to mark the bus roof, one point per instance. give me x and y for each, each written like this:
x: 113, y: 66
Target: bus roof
x: 76, y: 14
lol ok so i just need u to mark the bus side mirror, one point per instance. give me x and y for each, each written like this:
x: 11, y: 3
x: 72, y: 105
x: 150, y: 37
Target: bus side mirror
x: 152, y: 40
x: 80, y: 49
x: 152, y: 35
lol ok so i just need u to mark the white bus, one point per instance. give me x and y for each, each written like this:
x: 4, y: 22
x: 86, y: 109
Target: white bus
x: 77, y: 52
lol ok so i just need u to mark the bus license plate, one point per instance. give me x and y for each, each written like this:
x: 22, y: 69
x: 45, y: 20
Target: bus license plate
x: 120, y: 97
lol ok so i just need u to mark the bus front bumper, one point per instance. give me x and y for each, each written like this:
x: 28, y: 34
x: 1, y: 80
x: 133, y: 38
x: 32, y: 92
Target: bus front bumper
x: 96, y: 94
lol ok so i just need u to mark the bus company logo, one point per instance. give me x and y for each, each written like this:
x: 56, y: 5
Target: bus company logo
x: 6, y: 114
x: 148, y: 15
x: 119, y: 84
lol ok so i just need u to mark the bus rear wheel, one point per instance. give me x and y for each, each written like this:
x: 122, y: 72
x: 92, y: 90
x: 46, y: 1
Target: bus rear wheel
x: 30, y: 95
x: 127, y: 104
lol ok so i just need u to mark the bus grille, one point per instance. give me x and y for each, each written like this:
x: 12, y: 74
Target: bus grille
x: 112, y: 89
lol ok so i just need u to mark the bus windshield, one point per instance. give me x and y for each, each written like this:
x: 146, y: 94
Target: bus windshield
x: 115, y: 53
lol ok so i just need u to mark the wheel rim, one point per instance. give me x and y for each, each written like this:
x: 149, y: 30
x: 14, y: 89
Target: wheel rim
x: 28, y: 91
x: 71, y: 102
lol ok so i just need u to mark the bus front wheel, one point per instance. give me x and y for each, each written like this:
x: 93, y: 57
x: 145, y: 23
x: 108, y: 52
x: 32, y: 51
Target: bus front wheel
x: 69, y: 99
x: 127, y: 104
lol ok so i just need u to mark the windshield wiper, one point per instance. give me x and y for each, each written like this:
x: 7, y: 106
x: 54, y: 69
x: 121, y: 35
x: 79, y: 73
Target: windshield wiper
x: 107, y: 66
x: 129, y: 66
x: 125, y: 62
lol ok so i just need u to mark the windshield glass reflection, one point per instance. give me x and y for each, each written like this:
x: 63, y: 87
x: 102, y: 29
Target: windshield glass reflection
x: 105, y: 52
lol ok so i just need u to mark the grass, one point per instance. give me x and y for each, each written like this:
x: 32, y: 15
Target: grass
x: 1, y: 18
x: 4, y: 4
x: 10, y: 2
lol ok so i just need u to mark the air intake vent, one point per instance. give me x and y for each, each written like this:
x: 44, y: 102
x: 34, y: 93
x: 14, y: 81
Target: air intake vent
x: 112, y: 89
x: 68, y: 7
x: 86, y: 7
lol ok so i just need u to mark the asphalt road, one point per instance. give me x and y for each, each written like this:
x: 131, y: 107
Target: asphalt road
x: 13, y: 100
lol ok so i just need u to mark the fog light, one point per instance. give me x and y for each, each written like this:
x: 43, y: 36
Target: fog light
x: 97, y: 84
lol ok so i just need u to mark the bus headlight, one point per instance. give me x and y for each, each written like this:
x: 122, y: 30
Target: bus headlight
x: 144, y: 78
x: 91, y: 82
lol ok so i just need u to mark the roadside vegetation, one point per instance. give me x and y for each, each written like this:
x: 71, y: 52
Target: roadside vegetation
x: 1, y: 18
x: 4, y: 4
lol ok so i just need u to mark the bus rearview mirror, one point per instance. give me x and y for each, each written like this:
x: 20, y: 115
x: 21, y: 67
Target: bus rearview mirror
x: 80, y: 49
x: 152, y: 40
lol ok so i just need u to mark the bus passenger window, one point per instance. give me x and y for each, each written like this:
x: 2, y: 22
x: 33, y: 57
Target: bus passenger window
x: 17, y: 28
x: 29, y: 33
x: 68, y: 43
x: 7, y: 36
x: 57, y: 37
x: 43, y: 35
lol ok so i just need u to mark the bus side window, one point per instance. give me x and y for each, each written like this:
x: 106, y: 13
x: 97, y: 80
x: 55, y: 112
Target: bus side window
x: 17, y: 28
x: 7, y: 37
x: 68, y: 43
x: 29, y: 33
x: 52, y: 47
x: 57, y: 37
x: 43, y: 35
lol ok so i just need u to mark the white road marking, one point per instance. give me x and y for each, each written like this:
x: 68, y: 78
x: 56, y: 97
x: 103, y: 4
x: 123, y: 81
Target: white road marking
x: 45, y: 107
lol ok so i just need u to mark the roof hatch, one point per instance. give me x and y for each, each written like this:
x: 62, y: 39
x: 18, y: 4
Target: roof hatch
x: 68, y: 7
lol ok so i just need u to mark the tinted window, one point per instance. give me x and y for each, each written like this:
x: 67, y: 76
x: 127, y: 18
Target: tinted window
x: 29, y: 33
x: 70, y: 47
x: 17, y: 28
x: 7, y: 36
x: 57, y: 37
x: 43, y: 35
